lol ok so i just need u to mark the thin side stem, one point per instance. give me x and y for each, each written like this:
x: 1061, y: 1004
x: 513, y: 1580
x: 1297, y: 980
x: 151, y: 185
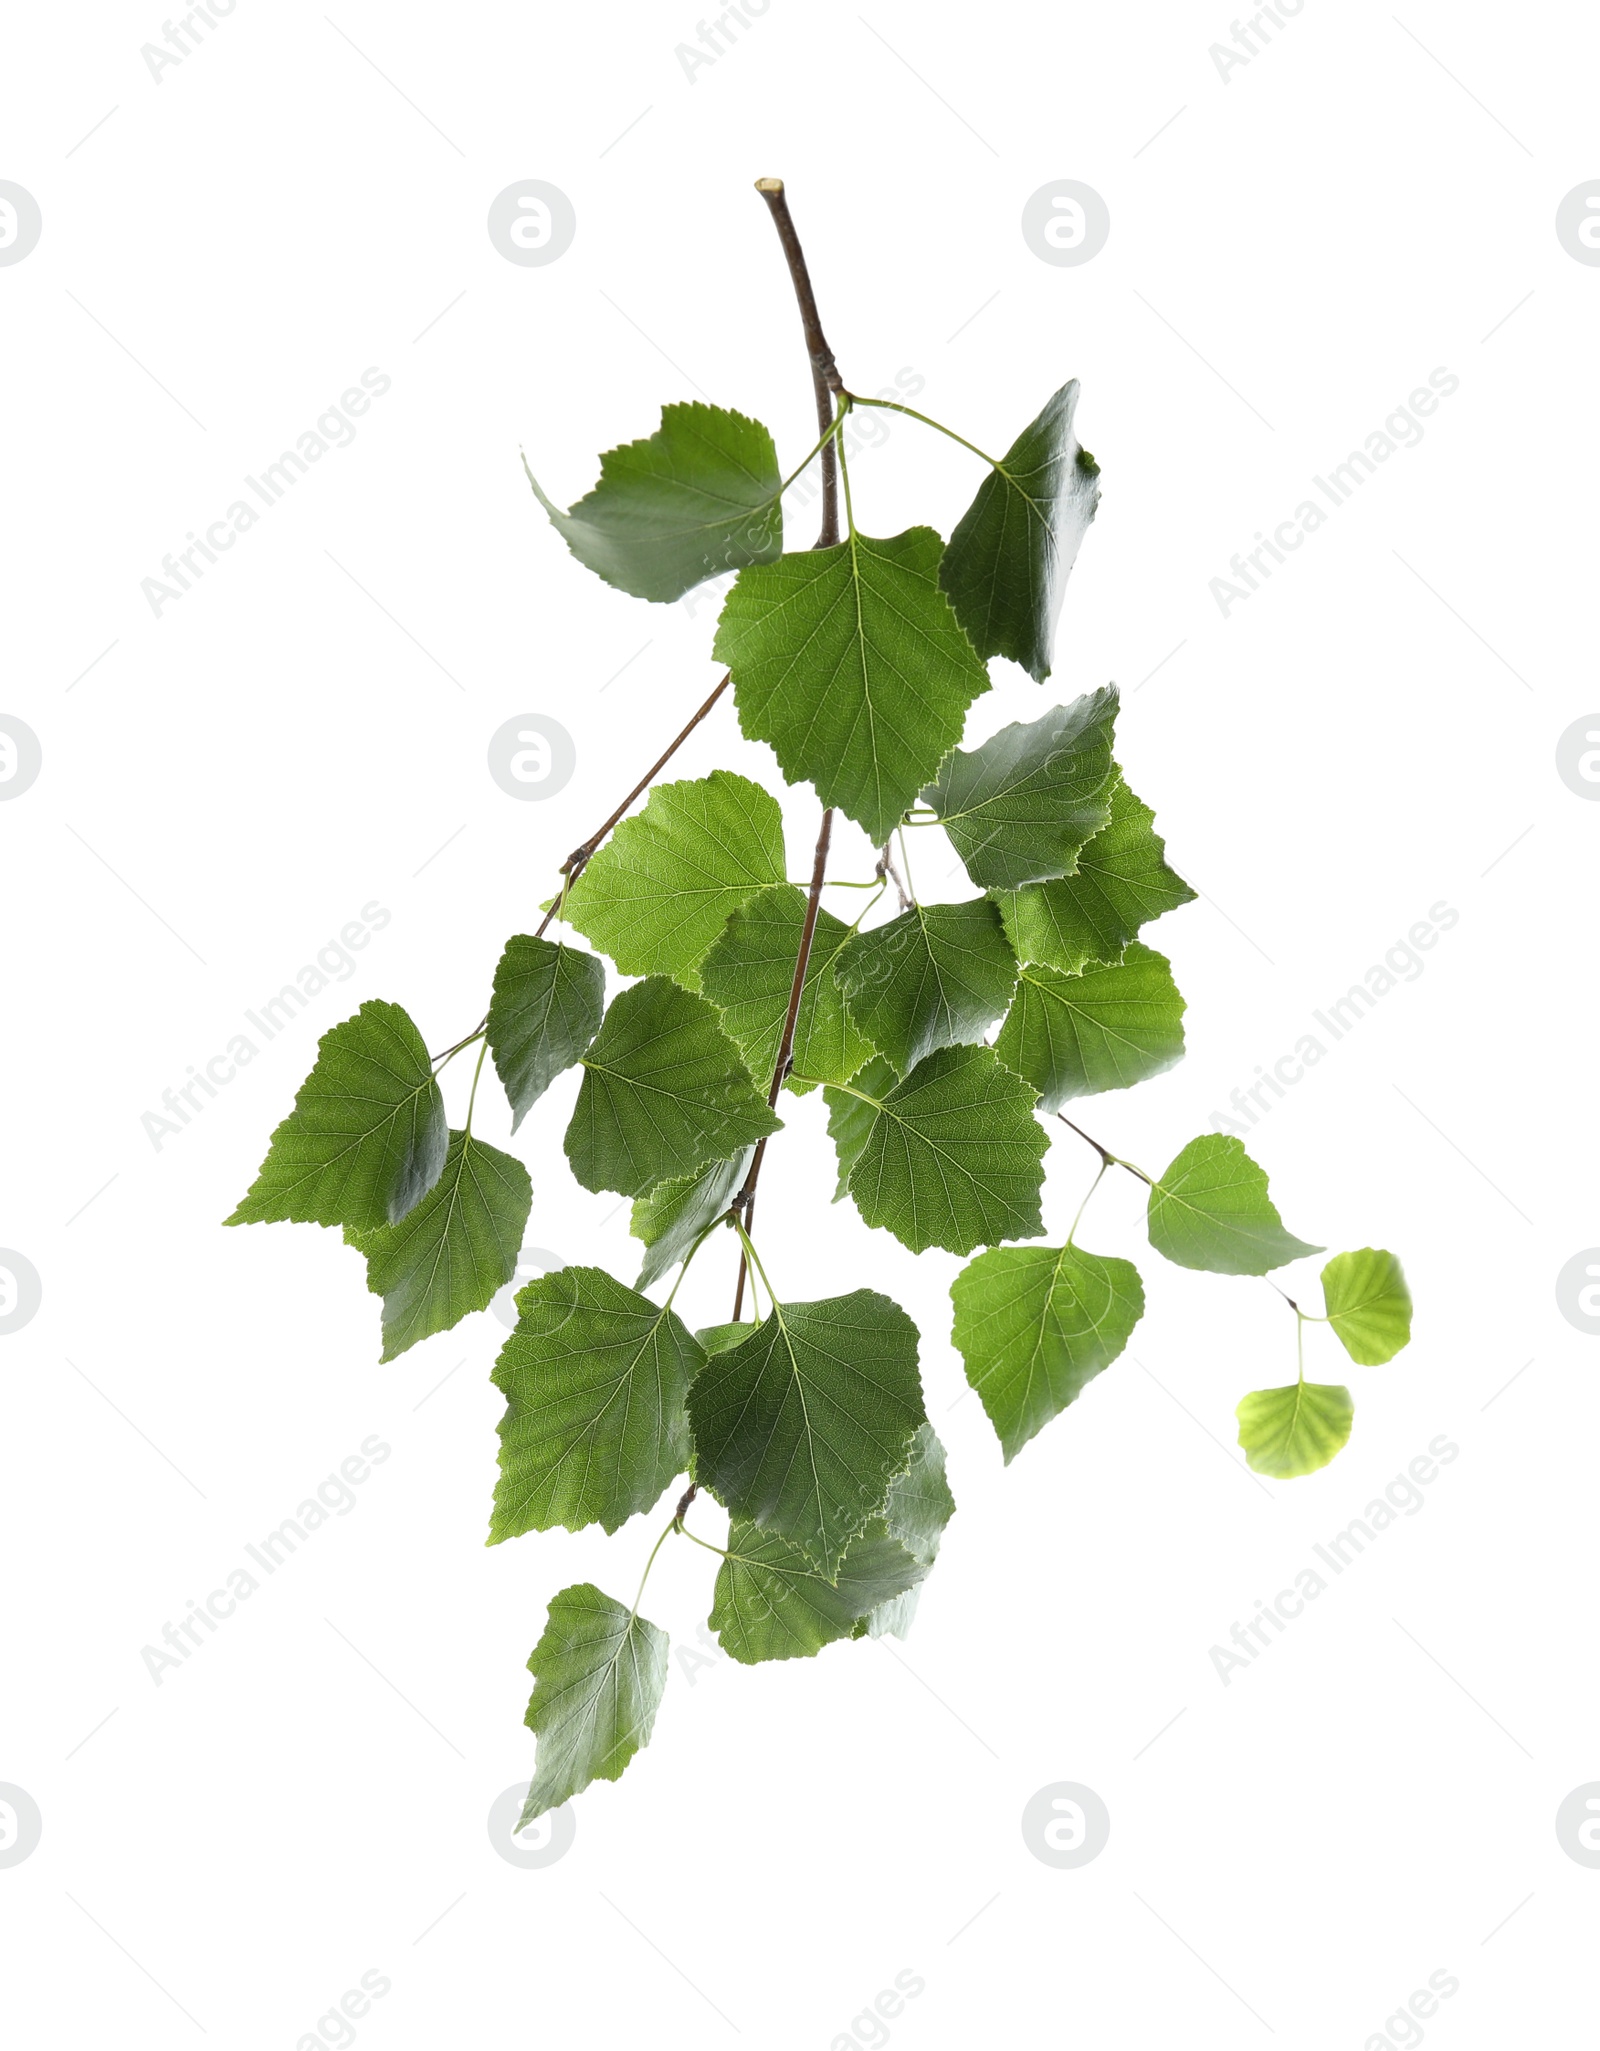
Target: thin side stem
x: 649, y: 1563
x: 894, y: 406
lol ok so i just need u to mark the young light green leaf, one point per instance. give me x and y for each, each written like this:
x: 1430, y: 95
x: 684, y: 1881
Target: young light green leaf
x: 850, y: 663
x: 454, y: 1251
x: 801, y: 1427
x: 1034, y: 1324
x: 771, y: 1603
x: 670, y: 1217
x: 1211, y: 1210
x: 1121, y: 883
x: 660, y: 890
x: 1020, y: 808
x: 1009, y: 558
x: 663, y: 1092
x: 1293, y: 1431
x: 594, y: 1378
x: 1106, y: 1028
x: 852, y: 1114
x: 937, y: 976
x: 699, y: 496
x: 749, y: 974
x: 1368, y: 1304
x: 544, y: 1011
x: 598, y: 1672
x: 954, y: 1156
x: 367, y: 1136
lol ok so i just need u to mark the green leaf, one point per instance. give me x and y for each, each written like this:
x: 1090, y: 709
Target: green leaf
x: 670, y: 1217
x: 1211, y: 1210
x: 594, y: 1378
x: 598, y: 1672
x: 1368, y: 1304
x: 367, y: 1136
x: 451, y: 1254
x: 1287, y: 1432
x: 770, y: 1603
x: 850, y: 663
x: 1120, y: 884
x: 920, y: 1505
x: 718, y: 1338
x: 699, y: 496
x: 660, y: 890
x: 853, y: 1113
x: 954, y: 1155
x: 937, y: 976
x: 749, y: 974
x: 1106, y: 1028
x: 1020, y: 808
x: 1034, y: 1324
x: 1008, y: 561
x: 663, y: 1092
x: 802, y: 1427
x: 544, y: 1011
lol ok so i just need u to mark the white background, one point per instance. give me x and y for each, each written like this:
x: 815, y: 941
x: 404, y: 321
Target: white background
x: 304, y: 732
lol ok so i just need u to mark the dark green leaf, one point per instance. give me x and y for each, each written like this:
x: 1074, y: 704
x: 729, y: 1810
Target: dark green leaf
x: 454, y: 1251
x: 937, y: 976
x: 1008, y: 561
x: 853, y: 1113
x: 749, y: 975
x: 594, y: 1377
x: 850, y: 663
x: 367, y: 1136
x: 1034, y: 1324
x: 698, y: 497
x: 664, y: 1092
x: 1106, y: 1028
x: 1211, y: 1210
x: 1019, y: 809
x: 660, y: 890
x: 718, y: 1338
x: 770, y: 1603
x: 598, y: 1672
x: 802, y: 1427
x: 953, y: 1156
x: 545, y: 1010
x: 1121, y: 883
x: 670, y: 1217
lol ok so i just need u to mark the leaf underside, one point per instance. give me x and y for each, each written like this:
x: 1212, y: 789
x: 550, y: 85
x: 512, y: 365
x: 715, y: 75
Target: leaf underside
x: 598, y: 1673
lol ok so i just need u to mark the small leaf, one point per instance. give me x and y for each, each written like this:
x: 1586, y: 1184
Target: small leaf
x: 1106, y: 1028
x: 954, y: 1155
x: 1211, y: 1210
x: 1368, y: 1304
x: 598, y: 1673
x: 661, y: 889
x: 698, y: 497
x: 770, y: 1603
x: 1020, y: 808
x: 802, y: 1427
x: 546, y: 1008
x: 449, y: 1256
x: 1034, y: 1325
x: 850, y: 663
x: 367, y: 1136
x: 1121, y: 883
x: 920, y: 1504
x: 852, y: 1114
x: 664, y: 1092
x: 594, y: 1377
x: 937, y: 976
x: 670, y: 1217
x: 1287, y: 1432
x: 718, y: 1338
x: 1009, y: 558
x: 749, y: 974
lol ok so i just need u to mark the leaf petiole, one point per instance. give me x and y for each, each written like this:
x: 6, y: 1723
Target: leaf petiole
x: 893, y: 406
x: 649, y: 1563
